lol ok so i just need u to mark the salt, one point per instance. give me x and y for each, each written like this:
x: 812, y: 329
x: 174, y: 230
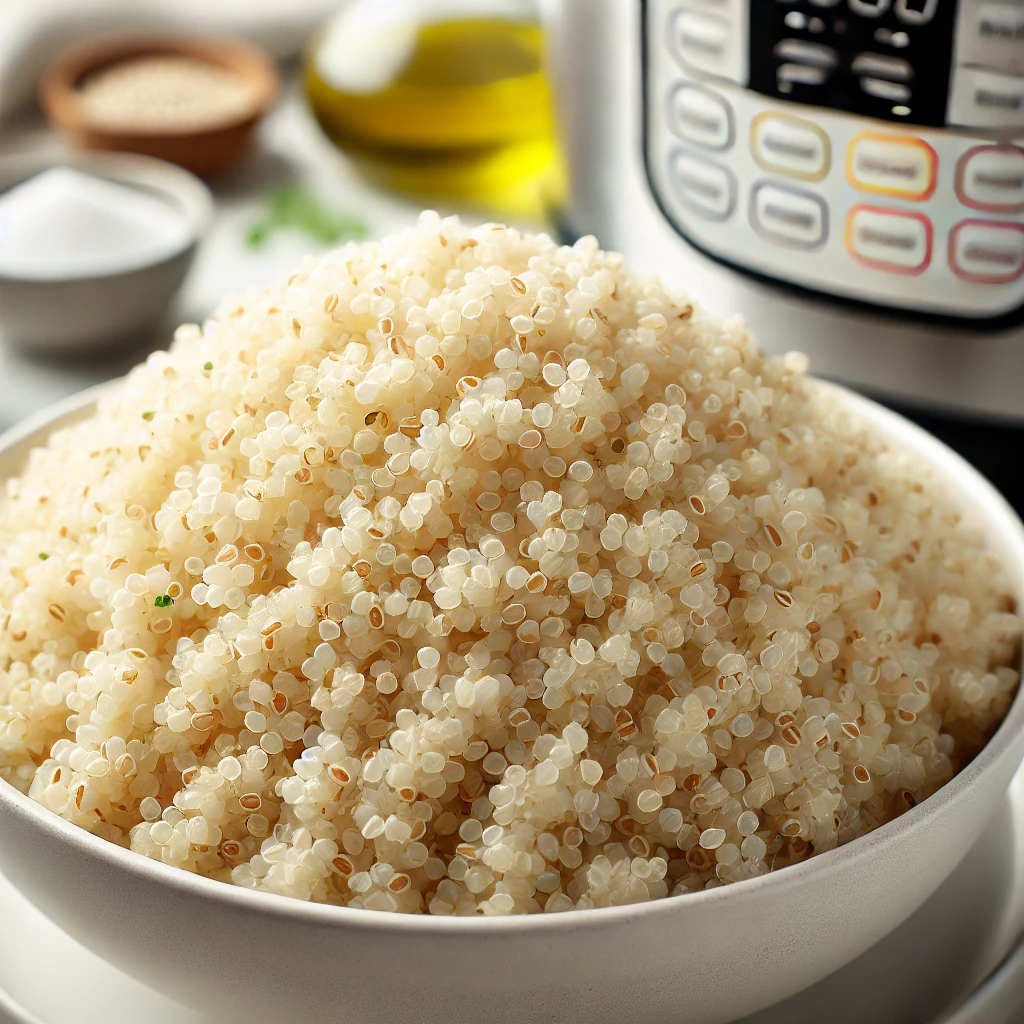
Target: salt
x: 64, y: 223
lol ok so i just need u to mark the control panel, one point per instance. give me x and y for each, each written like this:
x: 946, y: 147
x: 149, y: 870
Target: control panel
x: 869, y: 149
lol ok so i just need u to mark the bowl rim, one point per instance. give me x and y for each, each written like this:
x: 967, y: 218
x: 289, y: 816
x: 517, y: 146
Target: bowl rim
x: 175, y: 185
x: 59, y: 86
x: 986, y: 502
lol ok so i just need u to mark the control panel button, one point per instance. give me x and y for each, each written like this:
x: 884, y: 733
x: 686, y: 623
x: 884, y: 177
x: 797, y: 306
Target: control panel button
x: 790, y: 145
x: 986, y: 99
x: 789, y: 75
x: 699, y: 115
x: 788, y: 217
x: 894, y: 92
x: 892, y: 165
x: 992, y: 178
x: 987, y: 252
x: 708, y: 43
x: 889, y: 239
x: 916, y: 12
x: 799, y: 51
x: 1000, y: 22
x: 880, y: 65
x: 706, y: 187
x: 991, y: 35
x: 869, y: 8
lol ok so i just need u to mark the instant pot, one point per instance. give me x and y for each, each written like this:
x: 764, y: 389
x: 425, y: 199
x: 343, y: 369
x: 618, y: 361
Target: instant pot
x: 848, y: 174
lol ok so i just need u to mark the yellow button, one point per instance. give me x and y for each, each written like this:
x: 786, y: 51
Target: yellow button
x: 790, y: 145
x: 892, y: 165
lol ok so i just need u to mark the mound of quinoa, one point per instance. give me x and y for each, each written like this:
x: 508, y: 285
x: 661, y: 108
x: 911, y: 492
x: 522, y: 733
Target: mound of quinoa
x: 467, y: 573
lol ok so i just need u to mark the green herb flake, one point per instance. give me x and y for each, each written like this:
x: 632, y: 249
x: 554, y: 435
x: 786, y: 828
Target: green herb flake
x: 148, y: 415
x: 207, y: 366
x: 299, y: 209
x: 43, y: 556
x: 163, y: 601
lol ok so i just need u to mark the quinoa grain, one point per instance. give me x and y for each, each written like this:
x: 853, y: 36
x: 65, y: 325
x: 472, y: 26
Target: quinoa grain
x: 373, y: 591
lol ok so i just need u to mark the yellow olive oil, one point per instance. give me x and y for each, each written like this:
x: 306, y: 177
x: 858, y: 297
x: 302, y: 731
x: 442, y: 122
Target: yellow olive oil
x: 459, y: 108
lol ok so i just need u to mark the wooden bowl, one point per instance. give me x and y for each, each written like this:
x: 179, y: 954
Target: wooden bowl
x: 205, y: 151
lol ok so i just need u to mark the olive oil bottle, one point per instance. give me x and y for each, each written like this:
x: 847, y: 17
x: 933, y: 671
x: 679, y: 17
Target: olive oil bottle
x: 441, y: 98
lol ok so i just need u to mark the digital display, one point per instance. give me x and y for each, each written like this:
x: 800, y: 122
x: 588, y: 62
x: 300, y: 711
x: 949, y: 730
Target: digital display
x: 884, y: 59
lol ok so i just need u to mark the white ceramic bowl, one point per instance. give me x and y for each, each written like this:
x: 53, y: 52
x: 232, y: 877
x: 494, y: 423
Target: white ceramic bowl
x: 89, y: 311
x: 708, y: 957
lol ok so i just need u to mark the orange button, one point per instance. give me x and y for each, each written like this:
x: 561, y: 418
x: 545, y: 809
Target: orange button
x: 892, y: 165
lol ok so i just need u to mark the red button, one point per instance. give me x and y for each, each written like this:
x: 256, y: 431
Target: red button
x: 889, y: 239
x: 991, y: 178
x: 987, y: 252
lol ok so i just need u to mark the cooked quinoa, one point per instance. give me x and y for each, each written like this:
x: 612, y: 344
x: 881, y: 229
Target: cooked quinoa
x: 468, y: 573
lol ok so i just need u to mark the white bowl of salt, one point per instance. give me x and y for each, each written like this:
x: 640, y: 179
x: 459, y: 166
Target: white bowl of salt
x: 93, y: 247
